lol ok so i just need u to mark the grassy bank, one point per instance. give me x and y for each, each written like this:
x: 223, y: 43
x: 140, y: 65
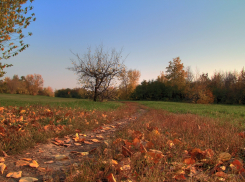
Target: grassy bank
x: 27, y: 100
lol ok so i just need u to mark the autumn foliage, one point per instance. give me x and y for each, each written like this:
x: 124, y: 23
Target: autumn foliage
x: 179, y: 85
x: 13, y: 18
x: 29, y: 85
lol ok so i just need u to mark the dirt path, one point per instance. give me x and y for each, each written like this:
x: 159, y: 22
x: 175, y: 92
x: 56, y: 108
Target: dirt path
x: 57, y: 156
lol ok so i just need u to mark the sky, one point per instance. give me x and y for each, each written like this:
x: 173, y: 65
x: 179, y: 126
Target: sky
x: 207, y: 35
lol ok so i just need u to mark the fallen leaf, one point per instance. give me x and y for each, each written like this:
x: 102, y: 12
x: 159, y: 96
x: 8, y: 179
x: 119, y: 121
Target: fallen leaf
x: 61, y: 157
x: 176, y: 141
x: 180, y: 177
x: 149, y: 145
x: 99, y: 137
x: 84, y: 153
x: 22, y: 163
x: 48, y: 162
x: 22, y: 111
x: 2, y: 159
x: 125, y: 168
x: 113, y: 162
x: 26, y: 159
x: 28, y: 179
x: 224, y: 156
x: 209, y: 153
x: 138, y: 134
x: 5, y: 154
x: 189, y: 161
x: 136, y: 143
x: 2, y: 167
x: 87, y: 142
x: 170, y: 143
x: 95, y: 140
x: 77, y: 144
x: 154, y: 156
x: 14, y: 174
x: 242, y: 134
x: 111, y: 178
x: 42, y: 169
x: 34, y: 164
x: 237, y: 164
x: 221, y: 174
x: 195, y: 151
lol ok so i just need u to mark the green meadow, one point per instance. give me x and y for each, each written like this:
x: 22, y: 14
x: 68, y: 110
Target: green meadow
x: 232, y: 113
x: 26, y: 100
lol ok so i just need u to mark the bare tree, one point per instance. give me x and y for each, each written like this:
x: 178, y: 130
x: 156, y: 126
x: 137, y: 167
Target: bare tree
x: 98, y: 71
x: 190, y: 76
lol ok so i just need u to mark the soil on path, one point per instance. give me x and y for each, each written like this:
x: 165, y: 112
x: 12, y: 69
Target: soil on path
x: 60, y: 154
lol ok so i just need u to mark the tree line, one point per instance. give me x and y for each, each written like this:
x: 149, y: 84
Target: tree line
x: 127, y: 82
x: 180, y: 84
x: 28, y: 85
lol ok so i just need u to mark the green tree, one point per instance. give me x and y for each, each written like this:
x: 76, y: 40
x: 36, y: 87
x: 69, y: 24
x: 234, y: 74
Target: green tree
x: 13, y: 18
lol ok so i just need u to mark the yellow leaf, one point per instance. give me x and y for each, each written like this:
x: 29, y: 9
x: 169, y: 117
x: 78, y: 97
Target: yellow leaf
x: 34, y: 164
x: 224, y: 156
x: 170, y: 143
x: 125, y: 168
x: 111, y: 178
x: 22, y: 163
x: 22, y: 111
x: 48, y: 162
x: 2, y: 159
x: 14, y: 174
x: 28, y: 179
x: 2, y: 167
x: 26, y: 159
x: 95, y: 140
x: 84, y: 153
x: 61, y: 157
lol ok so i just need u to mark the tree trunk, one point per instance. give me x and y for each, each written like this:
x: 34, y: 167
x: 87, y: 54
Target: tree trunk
x: 95, y: 94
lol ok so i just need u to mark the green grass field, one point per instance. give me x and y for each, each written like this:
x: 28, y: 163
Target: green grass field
x: 229, y: 112
x: 25, y: 100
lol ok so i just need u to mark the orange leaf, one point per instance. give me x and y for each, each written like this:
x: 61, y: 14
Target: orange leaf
x: 189, y: 161
x: 195, y: 151
x: 176, y: 141
x: 136, y: 143
x: 209, y: 153
x: 238, y: 164
x: 138, y: 134
x: 180, y: 177
x: 242, y: 134
x: 154, y: 156
x: 149, y: 145
x: 221, y: 174
x: 117, y: 141
x: 111, y: 178
x: 128, y: 144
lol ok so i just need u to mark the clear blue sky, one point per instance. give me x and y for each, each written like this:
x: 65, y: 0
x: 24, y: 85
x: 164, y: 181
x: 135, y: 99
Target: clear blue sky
x: 209, y: 35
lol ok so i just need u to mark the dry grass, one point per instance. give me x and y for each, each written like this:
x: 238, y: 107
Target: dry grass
x: 23, y: 127
x: 161, y: 146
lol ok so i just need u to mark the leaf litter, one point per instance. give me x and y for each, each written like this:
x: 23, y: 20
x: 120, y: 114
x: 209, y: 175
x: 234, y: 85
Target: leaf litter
x: 49, y: 159
x: 153, y: 146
